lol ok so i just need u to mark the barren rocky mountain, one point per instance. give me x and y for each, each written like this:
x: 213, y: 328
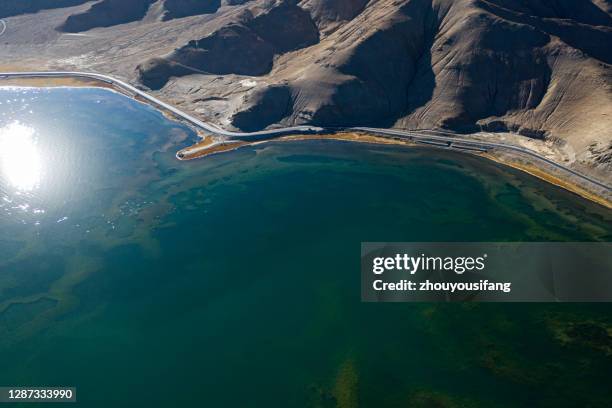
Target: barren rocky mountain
x: 537, y: 68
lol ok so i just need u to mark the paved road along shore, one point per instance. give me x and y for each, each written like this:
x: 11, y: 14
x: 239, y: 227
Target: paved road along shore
x: 435, y: 137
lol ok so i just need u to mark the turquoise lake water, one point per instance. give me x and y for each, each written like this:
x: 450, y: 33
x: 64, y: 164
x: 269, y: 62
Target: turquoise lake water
x: 233, y: 281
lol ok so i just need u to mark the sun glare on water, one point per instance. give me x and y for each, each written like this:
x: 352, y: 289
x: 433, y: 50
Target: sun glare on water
x: 20, y: 158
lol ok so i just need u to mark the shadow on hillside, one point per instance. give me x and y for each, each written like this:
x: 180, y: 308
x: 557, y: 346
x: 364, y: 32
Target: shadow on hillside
x: 10, y: 8
x: 392, y: 73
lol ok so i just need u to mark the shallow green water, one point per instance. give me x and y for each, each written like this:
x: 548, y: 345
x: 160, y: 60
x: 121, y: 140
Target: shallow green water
x: 234, y: 281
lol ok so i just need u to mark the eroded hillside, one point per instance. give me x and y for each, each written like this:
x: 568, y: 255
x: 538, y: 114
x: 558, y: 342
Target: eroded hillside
x: 540, y: 69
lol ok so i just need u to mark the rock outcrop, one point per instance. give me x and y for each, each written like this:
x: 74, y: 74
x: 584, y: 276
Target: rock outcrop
x: 328, y: 14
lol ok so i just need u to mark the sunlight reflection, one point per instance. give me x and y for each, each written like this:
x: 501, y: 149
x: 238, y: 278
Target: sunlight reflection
x: 20, y: 159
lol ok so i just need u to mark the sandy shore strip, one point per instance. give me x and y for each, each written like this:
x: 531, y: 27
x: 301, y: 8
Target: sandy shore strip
x: 526, y: 165
x: 208, y: 147
x: 55, y: 82
x: 547, y: 176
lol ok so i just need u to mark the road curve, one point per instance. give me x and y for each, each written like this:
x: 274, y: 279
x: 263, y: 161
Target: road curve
x: 137, y: 92
x: 437, y: 137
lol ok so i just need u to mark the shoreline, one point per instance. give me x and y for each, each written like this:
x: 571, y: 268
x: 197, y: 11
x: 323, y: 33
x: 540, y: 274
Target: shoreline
x: 529, y: 168
x: 211, y: 144
x: 552, y: 179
